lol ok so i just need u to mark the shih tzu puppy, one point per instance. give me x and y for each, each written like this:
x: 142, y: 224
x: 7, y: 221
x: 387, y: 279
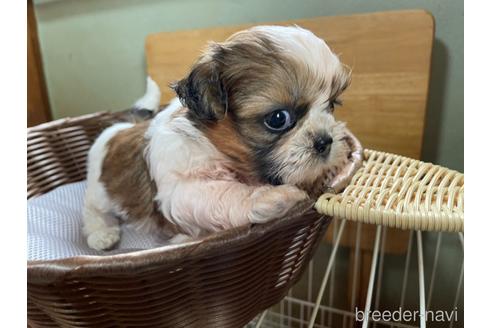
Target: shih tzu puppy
x: 251, y: 138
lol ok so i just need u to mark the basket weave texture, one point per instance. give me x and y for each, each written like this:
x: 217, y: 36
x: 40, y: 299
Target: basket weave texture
x: 57, y: 151
x: 400, y: 192
x: 221, y: 281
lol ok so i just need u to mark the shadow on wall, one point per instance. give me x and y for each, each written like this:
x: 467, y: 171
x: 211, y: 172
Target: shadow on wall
x: 435, y: 102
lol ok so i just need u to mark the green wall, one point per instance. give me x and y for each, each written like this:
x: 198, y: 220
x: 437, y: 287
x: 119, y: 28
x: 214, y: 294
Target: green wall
x: 93, y: 51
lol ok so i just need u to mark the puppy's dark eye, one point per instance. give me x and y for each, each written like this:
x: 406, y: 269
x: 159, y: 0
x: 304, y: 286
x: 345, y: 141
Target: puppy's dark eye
x: 278, y: 120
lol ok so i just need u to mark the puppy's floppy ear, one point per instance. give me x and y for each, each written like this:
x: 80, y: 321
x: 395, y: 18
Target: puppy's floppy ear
x: 202, y: 91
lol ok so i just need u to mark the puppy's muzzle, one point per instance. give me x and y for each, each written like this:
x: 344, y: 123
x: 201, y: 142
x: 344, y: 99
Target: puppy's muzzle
x: 322, y: 144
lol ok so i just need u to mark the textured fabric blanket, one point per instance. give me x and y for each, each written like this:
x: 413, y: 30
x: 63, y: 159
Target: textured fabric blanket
x: 54, y: 227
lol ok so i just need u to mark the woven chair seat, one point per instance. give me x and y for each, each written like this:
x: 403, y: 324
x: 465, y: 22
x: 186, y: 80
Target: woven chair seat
x: 400, y: 192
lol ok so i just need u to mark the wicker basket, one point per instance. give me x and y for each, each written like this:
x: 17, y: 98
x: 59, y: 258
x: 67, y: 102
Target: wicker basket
x: 222, y: 281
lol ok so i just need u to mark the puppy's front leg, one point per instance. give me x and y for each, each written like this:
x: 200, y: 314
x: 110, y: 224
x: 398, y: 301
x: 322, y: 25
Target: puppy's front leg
x: 218, y: 205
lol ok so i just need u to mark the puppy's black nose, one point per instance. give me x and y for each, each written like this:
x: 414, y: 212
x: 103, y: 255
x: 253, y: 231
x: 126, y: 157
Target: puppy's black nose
x: 322, y: 143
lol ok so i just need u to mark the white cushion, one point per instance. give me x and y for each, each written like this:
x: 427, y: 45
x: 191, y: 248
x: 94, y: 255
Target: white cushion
x: 54, y: 227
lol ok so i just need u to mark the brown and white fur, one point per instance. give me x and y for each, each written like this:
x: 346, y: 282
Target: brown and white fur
x: 209, y: 161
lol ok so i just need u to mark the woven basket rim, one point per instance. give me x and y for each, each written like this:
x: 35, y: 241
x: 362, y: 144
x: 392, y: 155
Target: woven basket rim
x: 49, y: 270
x: 67, y: 120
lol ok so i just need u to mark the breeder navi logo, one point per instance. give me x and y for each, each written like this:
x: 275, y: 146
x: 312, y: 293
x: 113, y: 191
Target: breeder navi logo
x: 401, y: 315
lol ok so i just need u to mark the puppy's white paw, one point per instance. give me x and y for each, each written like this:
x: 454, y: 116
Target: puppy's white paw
x: 275, y: 202
x: 103, y: 239
x: 180, y: 238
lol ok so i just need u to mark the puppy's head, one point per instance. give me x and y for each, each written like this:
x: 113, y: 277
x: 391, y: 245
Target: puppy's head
x: 265, y: 97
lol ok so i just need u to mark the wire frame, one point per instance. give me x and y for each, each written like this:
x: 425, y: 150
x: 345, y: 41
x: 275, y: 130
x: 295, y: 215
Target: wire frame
x: 418, y: 282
